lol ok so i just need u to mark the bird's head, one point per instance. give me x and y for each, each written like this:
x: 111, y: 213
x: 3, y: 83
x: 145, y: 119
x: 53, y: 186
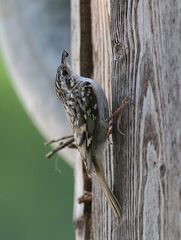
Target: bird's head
x: 65, y: 79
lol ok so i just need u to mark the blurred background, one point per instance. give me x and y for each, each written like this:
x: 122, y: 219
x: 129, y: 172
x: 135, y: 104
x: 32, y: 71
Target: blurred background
x: 36, y: 194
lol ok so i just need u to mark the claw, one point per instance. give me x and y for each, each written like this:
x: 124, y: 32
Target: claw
x: 60, y: 147
x: 117, y: 114
x: 58, y: 140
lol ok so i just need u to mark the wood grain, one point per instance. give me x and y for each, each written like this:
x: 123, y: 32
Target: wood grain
x: 102, y: 58
x: 82, y: 65
x: 144, y: 167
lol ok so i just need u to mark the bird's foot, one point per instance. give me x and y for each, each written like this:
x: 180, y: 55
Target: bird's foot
x: 61, y: 144
x: 117, y: 115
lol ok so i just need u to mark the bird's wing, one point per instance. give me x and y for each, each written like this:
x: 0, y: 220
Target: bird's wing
x: 86, y: 118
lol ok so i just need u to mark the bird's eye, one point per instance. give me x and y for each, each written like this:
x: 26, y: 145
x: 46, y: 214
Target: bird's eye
x: 64, y: 72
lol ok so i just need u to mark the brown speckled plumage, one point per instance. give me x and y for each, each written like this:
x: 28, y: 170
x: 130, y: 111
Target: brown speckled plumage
x: 86, y: 107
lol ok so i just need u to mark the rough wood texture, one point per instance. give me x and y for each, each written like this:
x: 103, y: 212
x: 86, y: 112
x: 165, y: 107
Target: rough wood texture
x: 81, y: 64
x: 146, y: 61
x: 102, y: 58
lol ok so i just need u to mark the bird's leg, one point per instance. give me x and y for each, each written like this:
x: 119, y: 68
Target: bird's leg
x: 117, y: 115
x: 58, y: 140
x: 119, y: 110
x: 73, y: 146
x: 61, y: 145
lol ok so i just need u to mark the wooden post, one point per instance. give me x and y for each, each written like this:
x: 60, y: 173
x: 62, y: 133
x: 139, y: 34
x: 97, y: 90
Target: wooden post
x: 102, y: 60
x: 144, y: 168
x: 136, y: 50
x: 82, y: 64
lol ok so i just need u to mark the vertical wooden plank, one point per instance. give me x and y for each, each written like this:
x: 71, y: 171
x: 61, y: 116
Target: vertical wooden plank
x: 75, y: 36
x: 102, y: 58
x: 101, y: 44
x: 81, y: 50
x: 86, y: 66
x: 148, y: 158
x: 144, y: 169
x: 78, y: 213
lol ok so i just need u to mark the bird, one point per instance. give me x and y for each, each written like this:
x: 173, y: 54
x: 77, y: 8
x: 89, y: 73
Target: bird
x: 86, y: 107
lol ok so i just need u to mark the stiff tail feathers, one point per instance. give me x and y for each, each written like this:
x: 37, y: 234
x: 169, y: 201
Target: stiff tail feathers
x: 107, y: 191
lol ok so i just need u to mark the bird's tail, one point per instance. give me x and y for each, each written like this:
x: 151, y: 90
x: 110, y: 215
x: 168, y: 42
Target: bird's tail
x: 107, y: 191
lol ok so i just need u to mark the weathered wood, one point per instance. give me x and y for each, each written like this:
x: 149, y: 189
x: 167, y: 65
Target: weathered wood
x: 102, y: 58
x: 81, y: 64
x: 145, y: 164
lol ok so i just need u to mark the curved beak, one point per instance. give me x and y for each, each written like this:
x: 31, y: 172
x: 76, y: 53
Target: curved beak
x: 64, y: 56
